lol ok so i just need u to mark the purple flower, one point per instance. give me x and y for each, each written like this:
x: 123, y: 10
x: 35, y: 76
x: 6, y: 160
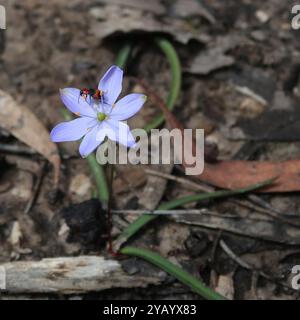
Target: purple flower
x: 99, y: 118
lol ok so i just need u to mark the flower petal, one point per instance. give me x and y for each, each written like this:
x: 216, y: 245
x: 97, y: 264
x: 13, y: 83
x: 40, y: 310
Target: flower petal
x: 89, y: 142
x: 105, y: 108
x: 128, y: 106
x: 76, y: 104
x: 111, y: 84
x: 72, y: 130
x: 102, y: 131
x: 120, y: 132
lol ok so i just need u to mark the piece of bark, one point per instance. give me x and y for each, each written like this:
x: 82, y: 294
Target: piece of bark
x: 69, y: 275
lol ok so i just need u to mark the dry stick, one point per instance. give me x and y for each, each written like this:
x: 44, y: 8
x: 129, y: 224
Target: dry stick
x: 36, y: 189
x: 245, y: 265
x: 183, y: 181
x: 233, y: 256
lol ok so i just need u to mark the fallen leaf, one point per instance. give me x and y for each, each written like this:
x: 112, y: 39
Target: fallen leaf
x: 215, y: 56
x: 110, y: 20
x: 235, y: 174
x: 25, y: 126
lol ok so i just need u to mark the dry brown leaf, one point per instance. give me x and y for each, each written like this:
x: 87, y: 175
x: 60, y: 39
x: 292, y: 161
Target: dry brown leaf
x: 25, y: 126
x: 234, y: 174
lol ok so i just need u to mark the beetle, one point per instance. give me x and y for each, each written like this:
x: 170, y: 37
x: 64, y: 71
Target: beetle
x: 96, y: 94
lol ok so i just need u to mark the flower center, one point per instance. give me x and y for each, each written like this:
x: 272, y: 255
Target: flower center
x: 101, y: 116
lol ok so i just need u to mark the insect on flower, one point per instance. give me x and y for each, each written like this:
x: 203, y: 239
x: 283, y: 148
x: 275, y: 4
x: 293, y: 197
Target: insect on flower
x: 100, y: 117
x: 96, y: 94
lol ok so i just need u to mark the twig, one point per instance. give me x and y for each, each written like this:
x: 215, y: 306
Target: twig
x: 248, y: 92
x: 36, y: 188
x: 183, y: 181
x: 233, y: 256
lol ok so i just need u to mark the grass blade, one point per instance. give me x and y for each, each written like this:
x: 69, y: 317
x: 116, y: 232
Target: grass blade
x: 195, y: 284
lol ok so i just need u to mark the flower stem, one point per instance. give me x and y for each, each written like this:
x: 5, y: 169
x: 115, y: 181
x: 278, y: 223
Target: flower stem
x: 195, y: 284
x: 99, y: 176
x: 109, y: 207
